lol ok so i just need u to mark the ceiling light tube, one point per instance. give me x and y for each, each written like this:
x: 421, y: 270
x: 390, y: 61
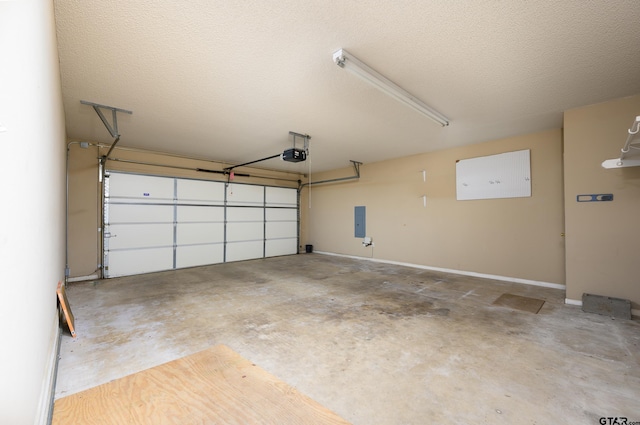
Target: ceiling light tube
x: 347, y: 61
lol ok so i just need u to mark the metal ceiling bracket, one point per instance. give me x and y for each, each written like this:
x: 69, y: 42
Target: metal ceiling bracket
x: 356, y: 167
x: 111, y: 128
x: 356, y: 170
x: 306, y: 138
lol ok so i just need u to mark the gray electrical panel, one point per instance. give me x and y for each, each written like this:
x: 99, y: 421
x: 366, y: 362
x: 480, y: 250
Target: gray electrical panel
x: 360, y: 222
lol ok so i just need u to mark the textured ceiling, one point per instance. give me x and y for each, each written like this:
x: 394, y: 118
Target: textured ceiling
x: 227, y: 80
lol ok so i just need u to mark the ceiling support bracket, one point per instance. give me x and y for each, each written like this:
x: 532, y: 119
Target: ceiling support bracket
x: 111, y: 128
x: 306, y: 138
x: 356, y: 170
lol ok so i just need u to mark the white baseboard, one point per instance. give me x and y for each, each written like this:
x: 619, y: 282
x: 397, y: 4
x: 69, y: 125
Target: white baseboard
x: 461, y: 272
x: 83, y: 278
x: 45, y: 405
x: 634, y: 312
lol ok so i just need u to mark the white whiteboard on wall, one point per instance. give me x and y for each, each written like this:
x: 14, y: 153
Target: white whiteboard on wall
x: 505, y: 175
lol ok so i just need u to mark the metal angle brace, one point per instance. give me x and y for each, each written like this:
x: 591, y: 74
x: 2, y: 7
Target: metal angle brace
x: 113, y: 130
x: 306, y: 138
x: 356, y: 170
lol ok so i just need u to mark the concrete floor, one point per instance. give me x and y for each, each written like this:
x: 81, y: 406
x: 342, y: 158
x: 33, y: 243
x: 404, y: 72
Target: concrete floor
x: 375, y: 343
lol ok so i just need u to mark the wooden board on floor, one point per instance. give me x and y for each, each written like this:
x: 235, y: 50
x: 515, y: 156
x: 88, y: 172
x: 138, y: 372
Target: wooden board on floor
x: 66, y: 308
x: 214, y: 386
x: 532, y: 305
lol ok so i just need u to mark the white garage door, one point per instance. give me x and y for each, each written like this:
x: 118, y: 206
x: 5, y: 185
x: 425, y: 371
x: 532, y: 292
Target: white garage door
x: 162, y: 223
x: 199, y: 223
x: 281, y: 221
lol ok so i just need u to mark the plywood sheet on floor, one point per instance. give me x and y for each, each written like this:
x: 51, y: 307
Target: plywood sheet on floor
x: 214, y: 386
x: 517, y: 302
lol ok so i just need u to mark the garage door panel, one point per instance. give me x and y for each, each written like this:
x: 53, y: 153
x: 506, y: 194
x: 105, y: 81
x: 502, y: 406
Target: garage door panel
x: 245, y: 214
x: 281, y: 196
x: 279, y: 214
x: 238, y: 251
x: 198, y: 233
x: 138, y: 261
x: 199, y: 214
x: 125, y: 236
x: 244, y: 231
x: 135, y: 213
x: 140, y: 188
x: 279, y: 230
x: 245, y: 194
x: 199, y: 255
x: 200, y: 191
x: 281, y: 247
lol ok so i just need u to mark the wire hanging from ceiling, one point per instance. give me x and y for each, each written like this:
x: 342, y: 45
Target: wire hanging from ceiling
x: 309, y: 156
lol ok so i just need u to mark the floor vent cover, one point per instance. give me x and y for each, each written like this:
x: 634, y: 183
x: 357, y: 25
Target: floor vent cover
x: 606, y: 306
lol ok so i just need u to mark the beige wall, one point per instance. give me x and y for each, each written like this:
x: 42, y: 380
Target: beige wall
x: 518, y: 237
x: 514, y: 238
x: 602, y: 237
x: 32, y: 186
x: 85, y: 192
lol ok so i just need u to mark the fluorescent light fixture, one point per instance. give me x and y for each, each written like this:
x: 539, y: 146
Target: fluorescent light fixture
x: 347, y: 61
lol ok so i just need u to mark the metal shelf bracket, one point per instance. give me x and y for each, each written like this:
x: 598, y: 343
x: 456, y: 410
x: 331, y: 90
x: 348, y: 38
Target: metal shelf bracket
x: 632, y: 143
